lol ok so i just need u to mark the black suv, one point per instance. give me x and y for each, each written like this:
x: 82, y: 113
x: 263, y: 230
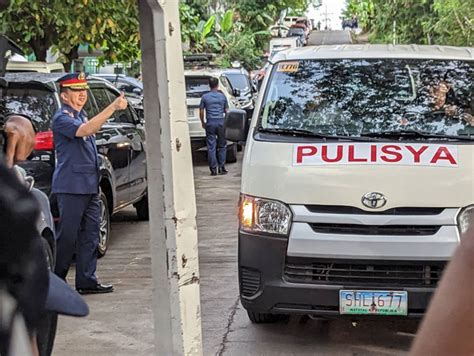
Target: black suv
x: 120, y: 142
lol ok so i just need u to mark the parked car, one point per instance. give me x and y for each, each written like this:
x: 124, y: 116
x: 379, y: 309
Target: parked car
x: 298, y: 33
x: 357, y: 180
x: 279, y: 30
x: 39, y: 67
x: 133, y: 89
x: 303, y: 27
x: 242, y: 88
x: 197, y: 84
x: 120, y: 142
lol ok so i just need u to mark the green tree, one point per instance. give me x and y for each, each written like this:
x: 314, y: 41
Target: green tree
x: 66, y: 24
x: 443, y: 22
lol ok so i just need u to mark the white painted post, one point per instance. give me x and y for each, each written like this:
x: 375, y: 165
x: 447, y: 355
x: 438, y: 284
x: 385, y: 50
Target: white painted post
x: 171, y: 196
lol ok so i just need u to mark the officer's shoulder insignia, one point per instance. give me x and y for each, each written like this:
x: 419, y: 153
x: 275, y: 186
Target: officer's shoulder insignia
x: 68, y: 113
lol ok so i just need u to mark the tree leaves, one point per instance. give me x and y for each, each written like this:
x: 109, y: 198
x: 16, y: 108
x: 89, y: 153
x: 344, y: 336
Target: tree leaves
x: 66, y: 24
x: 443, y: 22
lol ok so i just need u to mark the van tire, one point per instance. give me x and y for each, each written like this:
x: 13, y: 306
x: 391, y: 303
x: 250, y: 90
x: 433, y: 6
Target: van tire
x: 104, y: 231
x: 141, y: 207
x: 263, y: 318
x: 231, y: 154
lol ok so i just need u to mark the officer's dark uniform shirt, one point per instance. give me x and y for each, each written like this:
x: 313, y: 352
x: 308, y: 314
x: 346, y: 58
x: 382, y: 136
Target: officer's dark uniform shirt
x: 77, y: 168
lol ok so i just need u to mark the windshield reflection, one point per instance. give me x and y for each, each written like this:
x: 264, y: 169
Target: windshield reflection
x: 350, y: 97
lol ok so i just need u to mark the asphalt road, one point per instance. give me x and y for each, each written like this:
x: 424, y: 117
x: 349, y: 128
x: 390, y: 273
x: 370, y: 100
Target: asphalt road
x: 121, y: 323
x: 329, y: 38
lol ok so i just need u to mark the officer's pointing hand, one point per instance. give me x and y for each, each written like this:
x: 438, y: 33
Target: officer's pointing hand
x: 120, y: 103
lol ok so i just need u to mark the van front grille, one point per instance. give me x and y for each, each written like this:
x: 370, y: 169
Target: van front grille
x: 387, y: 230
x: 339, y: 209
x: 364, y: 273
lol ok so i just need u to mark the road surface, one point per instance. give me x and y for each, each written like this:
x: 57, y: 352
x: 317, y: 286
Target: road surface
x: 121, y: 323
x: 317, y: 38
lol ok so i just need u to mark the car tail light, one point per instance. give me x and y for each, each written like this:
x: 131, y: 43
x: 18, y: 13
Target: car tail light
x: 44, y: 141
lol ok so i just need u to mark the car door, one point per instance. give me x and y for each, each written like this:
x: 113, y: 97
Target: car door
x: 112, y: 143
x: 135, y: 134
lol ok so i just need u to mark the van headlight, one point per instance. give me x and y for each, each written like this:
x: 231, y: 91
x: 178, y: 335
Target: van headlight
x: 264, y: 215
x: 465, y: 218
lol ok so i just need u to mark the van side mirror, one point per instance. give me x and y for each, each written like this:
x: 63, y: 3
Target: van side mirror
x: 235, y: 125
x: 236, y: 92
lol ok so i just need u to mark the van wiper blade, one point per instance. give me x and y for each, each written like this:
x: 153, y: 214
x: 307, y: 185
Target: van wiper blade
x: 308, y: 133
x: 414, y: 134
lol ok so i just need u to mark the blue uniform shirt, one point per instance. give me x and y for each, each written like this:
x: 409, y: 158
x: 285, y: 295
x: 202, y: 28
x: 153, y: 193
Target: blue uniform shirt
x: 215, y: 103
x: 77, y: 167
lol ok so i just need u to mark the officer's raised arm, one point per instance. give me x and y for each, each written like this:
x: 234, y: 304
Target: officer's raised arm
x: 93, y: 125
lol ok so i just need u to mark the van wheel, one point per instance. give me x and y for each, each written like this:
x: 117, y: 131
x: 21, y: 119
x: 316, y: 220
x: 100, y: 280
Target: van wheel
x: 231, y: 154
x: 263, y: 318
x: 142, y: 209
x: 104, y: 227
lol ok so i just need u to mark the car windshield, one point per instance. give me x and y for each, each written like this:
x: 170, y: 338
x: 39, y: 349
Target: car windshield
x: 296, y: 32
x: 38, y: 104
x: 363, y: 97
x: 197, y: 86
x: 238, y: 81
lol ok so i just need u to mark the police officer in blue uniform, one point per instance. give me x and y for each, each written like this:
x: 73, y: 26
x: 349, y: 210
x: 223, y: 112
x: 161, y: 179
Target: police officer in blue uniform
x: 76, y: 182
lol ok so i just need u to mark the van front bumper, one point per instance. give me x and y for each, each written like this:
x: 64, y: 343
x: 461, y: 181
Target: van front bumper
x: 268, y: 284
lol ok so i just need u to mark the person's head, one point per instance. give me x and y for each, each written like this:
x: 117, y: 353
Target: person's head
x: 73, y: 90
x: 24, y: 273
x: 213, y: 83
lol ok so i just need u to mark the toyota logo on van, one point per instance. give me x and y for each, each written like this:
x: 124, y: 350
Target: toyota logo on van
x: 374, y: 200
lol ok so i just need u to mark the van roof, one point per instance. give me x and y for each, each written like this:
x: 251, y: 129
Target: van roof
x: 37, y: 66
x: 376, y: 51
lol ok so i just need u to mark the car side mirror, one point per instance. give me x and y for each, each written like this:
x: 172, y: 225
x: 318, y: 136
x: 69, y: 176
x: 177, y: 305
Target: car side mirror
x: 236, y: 92
x: 137, y: 91
x: 235, y: 125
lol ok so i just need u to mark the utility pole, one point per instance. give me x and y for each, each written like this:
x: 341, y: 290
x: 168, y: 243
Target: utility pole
x: 326, y: 17
x: 171, y: 196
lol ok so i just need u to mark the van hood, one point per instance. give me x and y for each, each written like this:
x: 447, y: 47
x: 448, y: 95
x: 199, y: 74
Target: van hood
x: 440, y: 175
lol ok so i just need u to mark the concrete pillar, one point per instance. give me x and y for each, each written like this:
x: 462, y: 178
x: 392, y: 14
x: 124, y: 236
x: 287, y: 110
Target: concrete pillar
x: 176, y: 303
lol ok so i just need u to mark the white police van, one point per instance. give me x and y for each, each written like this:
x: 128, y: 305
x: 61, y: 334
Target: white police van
x: 358, y: 170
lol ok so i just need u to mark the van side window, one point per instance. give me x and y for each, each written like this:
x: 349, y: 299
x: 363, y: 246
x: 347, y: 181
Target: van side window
x: 121, y: 116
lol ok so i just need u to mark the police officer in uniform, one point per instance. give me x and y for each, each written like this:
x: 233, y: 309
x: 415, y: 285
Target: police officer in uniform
x: 76, y: 182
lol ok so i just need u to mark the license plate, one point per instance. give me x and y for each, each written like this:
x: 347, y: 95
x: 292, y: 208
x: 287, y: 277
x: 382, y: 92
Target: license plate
x: 190, y: 112
x: 371, y: 302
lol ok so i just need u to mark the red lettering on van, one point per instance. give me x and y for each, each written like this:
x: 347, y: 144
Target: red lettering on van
x: 393, y: 151
x: 305, y: 151
x: 373, y: 153
x: 417, y: 154
x: 339, y: 154
x: 352, y: 157
x: 443, y: 154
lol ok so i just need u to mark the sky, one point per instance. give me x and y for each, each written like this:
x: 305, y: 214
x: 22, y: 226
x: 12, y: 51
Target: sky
x: 334, y: 9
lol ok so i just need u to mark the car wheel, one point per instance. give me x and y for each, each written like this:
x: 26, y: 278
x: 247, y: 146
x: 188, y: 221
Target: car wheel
x: 231, y: 155
x: 46, y: 331
x: 142, y: 209
x: 263, y: 318
x: 104, y: 230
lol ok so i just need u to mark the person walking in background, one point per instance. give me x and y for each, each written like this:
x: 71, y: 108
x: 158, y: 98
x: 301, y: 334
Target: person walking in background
x: 76, y: 182
x: 216, y: 106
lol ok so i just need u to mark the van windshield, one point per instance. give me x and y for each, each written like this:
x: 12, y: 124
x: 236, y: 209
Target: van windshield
x: 365, y: 97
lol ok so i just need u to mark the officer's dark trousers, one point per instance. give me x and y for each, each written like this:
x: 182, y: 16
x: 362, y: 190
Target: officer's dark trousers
x: 215, y: 139
x: 78, y: 231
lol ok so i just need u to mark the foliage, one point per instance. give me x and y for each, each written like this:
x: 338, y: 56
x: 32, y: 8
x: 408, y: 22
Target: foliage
x: 240, y: 33
x: 447, y: 22
x: 66, y: 24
